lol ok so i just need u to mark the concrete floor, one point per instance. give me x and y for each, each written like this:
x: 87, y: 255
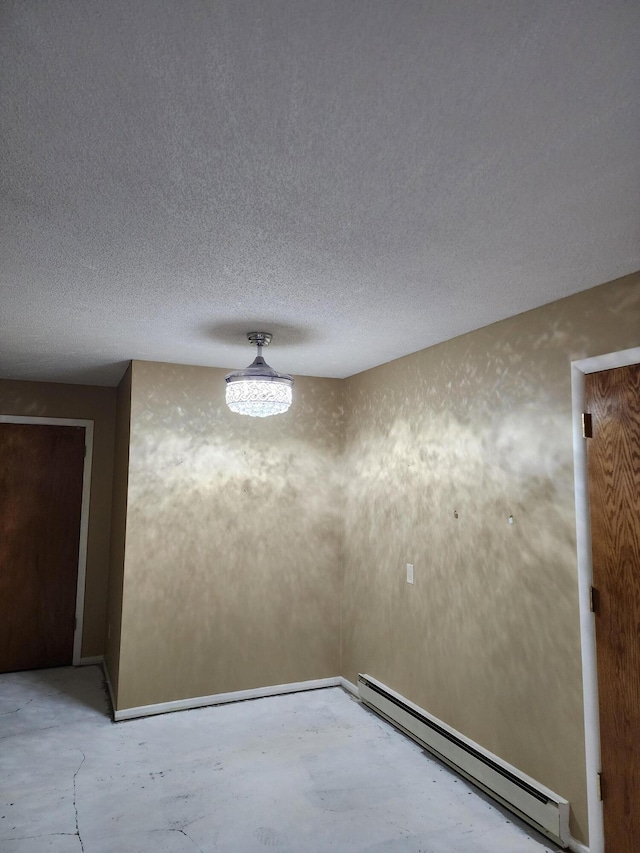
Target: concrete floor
x: 303, y: 772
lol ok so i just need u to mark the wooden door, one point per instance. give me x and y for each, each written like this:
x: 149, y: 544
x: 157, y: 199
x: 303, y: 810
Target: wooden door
x: 613, y: 399
x: 41, y: 471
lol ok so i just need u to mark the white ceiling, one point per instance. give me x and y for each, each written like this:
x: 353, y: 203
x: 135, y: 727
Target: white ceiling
x: 361, y: 178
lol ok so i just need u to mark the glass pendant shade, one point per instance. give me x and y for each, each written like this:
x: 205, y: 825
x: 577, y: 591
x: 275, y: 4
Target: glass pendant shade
x: 258, y: 391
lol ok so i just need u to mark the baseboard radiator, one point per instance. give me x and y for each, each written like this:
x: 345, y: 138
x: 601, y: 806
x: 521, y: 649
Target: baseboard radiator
x: 531, y: 801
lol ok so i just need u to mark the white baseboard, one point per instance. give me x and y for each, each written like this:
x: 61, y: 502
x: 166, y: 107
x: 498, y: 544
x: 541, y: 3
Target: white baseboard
x: 577, y: 846
x: 224, y: 698
x: 349, y: 686
x: 96, y: 660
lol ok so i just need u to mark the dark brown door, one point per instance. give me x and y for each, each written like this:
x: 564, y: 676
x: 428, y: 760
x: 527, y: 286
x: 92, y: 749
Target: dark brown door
x: 613, y: 399
x: 41, y: 469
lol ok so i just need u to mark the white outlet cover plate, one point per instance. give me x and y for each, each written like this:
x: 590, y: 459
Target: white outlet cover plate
x: 409, y: 572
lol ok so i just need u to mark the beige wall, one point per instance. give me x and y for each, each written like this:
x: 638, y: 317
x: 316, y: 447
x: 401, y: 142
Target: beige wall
x: 52, y: 400
x: 488, y: 637
x: 238, y: 530
x: 118, y: 529
x: 233, y: 539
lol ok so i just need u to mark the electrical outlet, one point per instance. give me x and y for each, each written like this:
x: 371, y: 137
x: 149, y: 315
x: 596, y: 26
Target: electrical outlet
x: 409, y: 572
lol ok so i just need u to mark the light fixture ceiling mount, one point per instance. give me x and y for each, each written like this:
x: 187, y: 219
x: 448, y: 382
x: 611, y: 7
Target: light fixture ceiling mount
x: 258, y: 390
x: 259, y: 339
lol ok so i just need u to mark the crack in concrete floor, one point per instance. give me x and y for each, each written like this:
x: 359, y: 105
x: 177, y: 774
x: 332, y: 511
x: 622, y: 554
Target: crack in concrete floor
x: 308, y: 772
x: 75, y: 797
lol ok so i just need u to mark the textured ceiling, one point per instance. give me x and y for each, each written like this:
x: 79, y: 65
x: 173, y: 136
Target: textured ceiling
x: 363, y: 179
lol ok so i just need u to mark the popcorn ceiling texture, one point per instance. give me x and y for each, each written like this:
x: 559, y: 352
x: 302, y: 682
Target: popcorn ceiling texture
x: 362, y: 179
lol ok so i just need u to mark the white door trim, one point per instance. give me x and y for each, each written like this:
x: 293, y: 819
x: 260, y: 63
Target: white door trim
x: 585, y: 577
x: 84, y: 512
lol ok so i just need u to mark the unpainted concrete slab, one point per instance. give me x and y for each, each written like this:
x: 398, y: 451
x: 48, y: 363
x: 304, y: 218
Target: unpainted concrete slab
x: 311, y: 771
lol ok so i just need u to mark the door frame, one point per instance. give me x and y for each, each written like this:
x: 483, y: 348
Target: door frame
x: 84, y: 512
x: 579, y: 369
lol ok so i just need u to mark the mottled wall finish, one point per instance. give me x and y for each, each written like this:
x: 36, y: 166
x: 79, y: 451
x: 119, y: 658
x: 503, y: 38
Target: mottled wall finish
x: 488, y: 637
x: 234, y: 539
x: 118, y: 530
x: 53, y: 400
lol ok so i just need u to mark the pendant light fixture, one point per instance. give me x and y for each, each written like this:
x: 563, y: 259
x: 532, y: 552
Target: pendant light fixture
x: 258, y: 390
